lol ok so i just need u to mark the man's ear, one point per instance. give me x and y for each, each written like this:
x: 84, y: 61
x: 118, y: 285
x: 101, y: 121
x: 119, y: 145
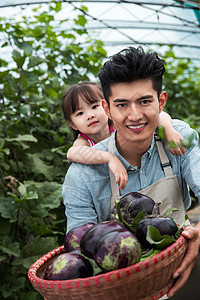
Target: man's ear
x: 162, y: 101
x: 106, y: 108
x: 71, y: 124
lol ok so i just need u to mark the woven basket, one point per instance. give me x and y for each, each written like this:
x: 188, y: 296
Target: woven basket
x: 150, y: 279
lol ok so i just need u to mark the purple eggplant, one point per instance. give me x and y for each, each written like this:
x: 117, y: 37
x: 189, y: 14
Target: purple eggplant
x: 73, y: 237
x: 165, y: 225
x: 68, y: 266
x: 116, y: 250
x: 95, y: 233
x: 130, y: 205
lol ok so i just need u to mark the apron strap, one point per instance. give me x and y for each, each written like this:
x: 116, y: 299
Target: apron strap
x: 114, y: 186
x: 165, y: 162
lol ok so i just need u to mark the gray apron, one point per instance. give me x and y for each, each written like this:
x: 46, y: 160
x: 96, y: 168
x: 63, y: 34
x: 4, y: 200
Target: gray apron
x: 166, y: 190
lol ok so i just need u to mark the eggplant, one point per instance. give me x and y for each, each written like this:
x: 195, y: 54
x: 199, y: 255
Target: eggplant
x: 73, y: 237
x: 130, y: 205
x: 165, y: 225
x: 68, y: 266
x: 95, y: 233
x: 116, y: 250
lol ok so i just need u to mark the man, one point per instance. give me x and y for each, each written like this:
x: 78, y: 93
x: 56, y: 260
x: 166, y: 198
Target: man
x: 132, y: 86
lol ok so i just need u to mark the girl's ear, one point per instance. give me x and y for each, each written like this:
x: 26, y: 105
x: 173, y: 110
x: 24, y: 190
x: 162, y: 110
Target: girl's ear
x: 162, y: 100
x: 71, y: 124
x: 106, y: 108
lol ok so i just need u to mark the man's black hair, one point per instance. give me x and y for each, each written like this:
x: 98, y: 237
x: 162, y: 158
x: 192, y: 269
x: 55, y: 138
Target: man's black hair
x: 130, y: 65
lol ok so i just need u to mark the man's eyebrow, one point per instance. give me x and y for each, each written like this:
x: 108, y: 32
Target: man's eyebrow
x: 145, y: 97
x: 140, y: 98
x: 120, y: 100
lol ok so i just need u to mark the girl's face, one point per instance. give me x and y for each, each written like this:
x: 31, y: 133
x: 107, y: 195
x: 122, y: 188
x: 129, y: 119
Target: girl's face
x: 89, y: 118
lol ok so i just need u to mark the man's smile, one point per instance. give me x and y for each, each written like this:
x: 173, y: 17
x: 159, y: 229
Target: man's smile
x: 137, y: 127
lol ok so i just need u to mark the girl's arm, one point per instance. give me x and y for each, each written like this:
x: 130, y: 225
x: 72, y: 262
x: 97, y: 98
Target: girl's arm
x: 81, y: 152
x: 171, y: 134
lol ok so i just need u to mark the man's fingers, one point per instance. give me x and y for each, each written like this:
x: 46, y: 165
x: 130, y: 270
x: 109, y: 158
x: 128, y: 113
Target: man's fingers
x: 180, y: 281
x: 186, y: 266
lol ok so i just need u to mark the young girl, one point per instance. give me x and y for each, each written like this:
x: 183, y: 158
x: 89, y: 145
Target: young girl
x: 82, y: 109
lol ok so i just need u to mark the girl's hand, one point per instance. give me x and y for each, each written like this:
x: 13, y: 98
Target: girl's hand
x: 176, y: 138
x: 118, y: 170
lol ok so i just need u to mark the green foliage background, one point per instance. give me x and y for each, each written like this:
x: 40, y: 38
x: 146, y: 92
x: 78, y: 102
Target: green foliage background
x: 34, y: 137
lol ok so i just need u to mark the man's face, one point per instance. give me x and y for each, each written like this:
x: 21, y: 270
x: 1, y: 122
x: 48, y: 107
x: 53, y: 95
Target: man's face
x: 134, y: 109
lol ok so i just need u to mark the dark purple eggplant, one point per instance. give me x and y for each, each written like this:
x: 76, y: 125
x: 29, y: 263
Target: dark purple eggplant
x: 130, y: 205
x: 165, y: 225
x: 95, y: 233
x: 68, y: 266
x: 116, y: 250
x: 73, y: 237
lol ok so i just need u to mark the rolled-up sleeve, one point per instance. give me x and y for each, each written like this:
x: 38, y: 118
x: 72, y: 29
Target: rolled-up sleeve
x: 190, y: 164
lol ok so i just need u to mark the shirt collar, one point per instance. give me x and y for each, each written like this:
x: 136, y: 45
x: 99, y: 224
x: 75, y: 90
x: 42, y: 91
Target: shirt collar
x: 125, y: 163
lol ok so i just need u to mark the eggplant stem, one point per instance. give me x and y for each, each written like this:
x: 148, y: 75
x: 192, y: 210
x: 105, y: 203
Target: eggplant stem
x: 121, y: 219
x: 157, y: 208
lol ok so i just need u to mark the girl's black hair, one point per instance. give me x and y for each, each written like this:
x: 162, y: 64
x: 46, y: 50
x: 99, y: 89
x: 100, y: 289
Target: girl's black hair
x: 90, y: 92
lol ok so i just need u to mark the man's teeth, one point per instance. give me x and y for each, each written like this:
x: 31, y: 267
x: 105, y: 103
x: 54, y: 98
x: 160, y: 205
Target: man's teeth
x: 136, y: 127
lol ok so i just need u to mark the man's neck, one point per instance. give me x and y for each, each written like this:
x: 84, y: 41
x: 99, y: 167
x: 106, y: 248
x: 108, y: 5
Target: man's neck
x: 133, y: 151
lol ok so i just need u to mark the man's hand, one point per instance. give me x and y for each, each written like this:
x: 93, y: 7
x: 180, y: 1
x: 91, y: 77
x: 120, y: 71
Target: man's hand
x: 186, y: 266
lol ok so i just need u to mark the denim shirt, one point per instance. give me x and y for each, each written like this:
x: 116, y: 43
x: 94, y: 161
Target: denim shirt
x: 87, y: 191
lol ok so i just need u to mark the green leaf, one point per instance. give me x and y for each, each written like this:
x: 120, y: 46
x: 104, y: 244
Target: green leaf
x: 161, y: 132
x: 26, y: 47
x: 35, y: 61
x: 137, y: 219
x: 18, y: 58
x: 17, y: 199
x: 60, y: 150
x: 52, y: 93
x: 169, y: 211
x: 151, y: 252
x: 5, y: 150
x: 9, y: 247
x: 29, y: 79
x: 17, y: 284
x: 38, y: 247
x: 5, y: 227
x: 7, y: 208
x: 49, y: 197
x: 2, y: 143
x: 2, y: 257
x: 51, y: 194
x: 37, y: 165
x: 154, y: 237
x: 22, y: 188
x: 178, y: 233
x: 96, y: 268
x: 23, y: 138
x: 172, y: 144
x: 81, y: 20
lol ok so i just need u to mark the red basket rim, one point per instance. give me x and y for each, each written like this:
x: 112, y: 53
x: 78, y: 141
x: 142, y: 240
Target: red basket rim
x: 35, y: 280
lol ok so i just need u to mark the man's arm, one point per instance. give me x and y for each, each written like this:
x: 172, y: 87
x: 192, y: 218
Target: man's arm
x: 79, y: 206
x: 190, y: 165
